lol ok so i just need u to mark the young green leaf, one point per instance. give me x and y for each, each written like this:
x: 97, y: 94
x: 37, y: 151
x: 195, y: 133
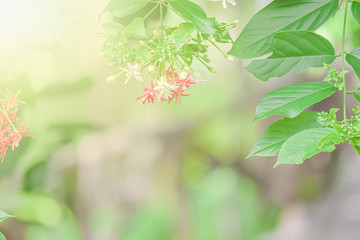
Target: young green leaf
x: 355, y: 142
x: 183, y: 33
x: 113, y: 27
x: 196, y: 15
x: 355, y: 9
x: 354, y: 60
x: 4, y: 216
x: 257, y: 37
x: 331, y: 139
x: 303, y: 145
x: 270, y: 142
x: 122, y: 8
x: 136, y: 28
x: 357, y: 96
x: 293, y: 51
x: 2, y: 236
x: 291, y: 100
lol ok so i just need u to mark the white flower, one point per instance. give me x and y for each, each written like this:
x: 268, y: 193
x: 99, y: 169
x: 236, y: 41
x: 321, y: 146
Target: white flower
x: 132, y: 70
x: 224, y: 2
x: 198, y: 80
x: 164, y: 89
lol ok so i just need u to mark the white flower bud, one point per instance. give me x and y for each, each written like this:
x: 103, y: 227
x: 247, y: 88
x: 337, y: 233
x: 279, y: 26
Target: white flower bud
x: 151, y: 68
x: 111, y: 79
x: 183, y: 75
x: 230, y: 59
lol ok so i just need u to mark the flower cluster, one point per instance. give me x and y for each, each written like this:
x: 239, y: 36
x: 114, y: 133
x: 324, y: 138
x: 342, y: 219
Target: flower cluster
x: 11, y: 131
x: 172, y: 89
x: 160, y: 57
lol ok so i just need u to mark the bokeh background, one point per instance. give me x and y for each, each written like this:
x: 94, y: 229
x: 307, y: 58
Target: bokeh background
x: 103, y: 166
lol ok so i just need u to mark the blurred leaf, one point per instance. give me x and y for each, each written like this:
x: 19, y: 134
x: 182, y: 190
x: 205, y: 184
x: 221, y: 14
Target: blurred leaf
x: 182, y: 34
x: 355, y: 9
x: 113, y: 27
x: 64, y: 89
x: 2, y: 236
x: 226, y: 206
x: 122, y: 8
x: 293, y: 51
x: 270, y: 142
x: 257, y: 37
x: 303, y: 145
x: 4, y: 216
x: 150, y: 223
x: 67, y: 228
x: 291, y: 100
x: 195, y: 165
x: 225, y: 141
x: 38, y: 209
x: 35, y: 178
x: 354, y: 60
x: 196, y: 15
x: 136, y: 28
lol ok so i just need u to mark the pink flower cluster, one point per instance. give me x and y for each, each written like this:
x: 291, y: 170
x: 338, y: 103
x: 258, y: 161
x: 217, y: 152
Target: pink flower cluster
x: 11, y: 131
x: 171, y: 90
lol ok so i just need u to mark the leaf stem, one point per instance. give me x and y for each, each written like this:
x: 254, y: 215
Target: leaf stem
x: 161, y: 19
x: 343, y: 55
x: 148, y: 14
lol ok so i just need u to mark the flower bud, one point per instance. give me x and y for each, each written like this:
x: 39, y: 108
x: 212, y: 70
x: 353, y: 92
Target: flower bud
x: 183, y: 75
x: 151, y: 68
x: 230, y: 59
x: 111, y: 79
x: 213, y: 70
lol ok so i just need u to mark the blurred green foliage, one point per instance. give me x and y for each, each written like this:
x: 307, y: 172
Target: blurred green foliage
x: 200, y: 195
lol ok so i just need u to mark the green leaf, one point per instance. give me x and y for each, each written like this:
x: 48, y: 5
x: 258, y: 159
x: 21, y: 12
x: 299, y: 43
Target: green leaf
x: 331, y: 139
x: 113, y: 27
x: 4, y: 216
x: 2, y: 237
x: 257, y: 37
x: 355, y: 9
x: 183, y: 33
x: 270, y: 142
x: 122, y: 8
x: 196, y: 15
x: 291, y: 100
x: 136, y: 28
x: 355, y: 143
x: 354, y: 60
x: 293, y: 51
x: 357, y: 148
x: 357, y: 96
x: 303, y: 145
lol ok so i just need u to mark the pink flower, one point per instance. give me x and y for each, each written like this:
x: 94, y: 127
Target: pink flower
x: 149, y: 94
x: 12, y: 101
x: 184, y: 83
x: 177, y: 94
x: 10, y: 133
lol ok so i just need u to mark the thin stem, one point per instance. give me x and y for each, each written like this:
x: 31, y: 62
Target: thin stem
x: 2, y: 109
x: 148, y: 14
x: 343, y: 55
x: 161, y: 20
